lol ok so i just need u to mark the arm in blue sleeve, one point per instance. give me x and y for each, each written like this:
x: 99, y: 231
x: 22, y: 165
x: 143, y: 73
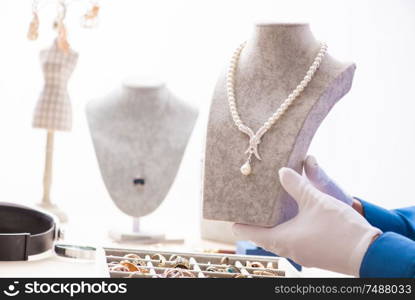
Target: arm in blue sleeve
x: 390, y: 255
x: 401, y: 221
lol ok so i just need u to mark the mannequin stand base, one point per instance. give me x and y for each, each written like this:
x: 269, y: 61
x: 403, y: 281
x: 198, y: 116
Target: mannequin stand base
x: 55, y: 210
x: 141, y: 237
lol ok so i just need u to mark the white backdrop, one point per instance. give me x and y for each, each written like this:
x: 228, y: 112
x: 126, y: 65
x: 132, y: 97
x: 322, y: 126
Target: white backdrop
x: 366, y: 143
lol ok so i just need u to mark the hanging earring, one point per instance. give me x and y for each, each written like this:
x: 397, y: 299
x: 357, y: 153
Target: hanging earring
x: 63, y: 37
x: 33, y: 32
x: 90, y: 18
x: 59, y: 26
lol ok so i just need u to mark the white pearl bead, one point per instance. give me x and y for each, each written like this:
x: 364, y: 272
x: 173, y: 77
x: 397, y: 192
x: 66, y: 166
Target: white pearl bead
x: 246, y: 168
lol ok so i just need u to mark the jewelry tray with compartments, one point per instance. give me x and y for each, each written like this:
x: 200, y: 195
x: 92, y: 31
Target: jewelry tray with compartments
x: 134, y: 263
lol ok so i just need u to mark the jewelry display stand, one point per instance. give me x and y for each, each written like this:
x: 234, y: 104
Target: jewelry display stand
x: 53, y: 111
x: 272, y: 63
x: 139, y: 133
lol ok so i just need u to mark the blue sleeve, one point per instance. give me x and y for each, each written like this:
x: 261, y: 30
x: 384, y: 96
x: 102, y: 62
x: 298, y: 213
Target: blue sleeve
x: 390, y: 255
x: 401, y: 221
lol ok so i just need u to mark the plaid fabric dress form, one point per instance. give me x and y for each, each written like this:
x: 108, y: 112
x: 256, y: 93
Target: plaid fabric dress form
x: 53, y: 110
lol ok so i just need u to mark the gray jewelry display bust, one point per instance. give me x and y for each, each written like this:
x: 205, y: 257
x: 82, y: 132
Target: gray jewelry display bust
x: 274, y: 60
x: 139, y: 134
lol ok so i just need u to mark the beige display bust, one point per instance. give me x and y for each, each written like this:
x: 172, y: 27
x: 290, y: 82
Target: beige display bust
x: 139, y: 133
x: 273, y: 62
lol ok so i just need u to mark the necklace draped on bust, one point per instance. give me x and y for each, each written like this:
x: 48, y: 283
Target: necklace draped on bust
x: 255, y: 138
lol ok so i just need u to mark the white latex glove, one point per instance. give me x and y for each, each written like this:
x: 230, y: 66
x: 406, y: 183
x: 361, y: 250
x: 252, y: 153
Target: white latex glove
x: 324, y: 183
x: 325, y: 233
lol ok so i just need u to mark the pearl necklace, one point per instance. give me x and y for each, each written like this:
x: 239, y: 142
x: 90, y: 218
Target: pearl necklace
x: 255, y: 138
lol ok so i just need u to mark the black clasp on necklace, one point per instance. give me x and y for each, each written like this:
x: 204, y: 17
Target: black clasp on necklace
x: 139, y: 181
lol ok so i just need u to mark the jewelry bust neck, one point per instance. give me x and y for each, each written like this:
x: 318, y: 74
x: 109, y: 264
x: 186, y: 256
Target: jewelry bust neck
x: 143, y: 96
x: 279, y: 46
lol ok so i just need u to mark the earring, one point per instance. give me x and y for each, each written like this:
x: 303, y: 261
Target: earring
x: 59, y: 25
x: 63, y: 43
x: 33, y: 32
x: 90, y: 18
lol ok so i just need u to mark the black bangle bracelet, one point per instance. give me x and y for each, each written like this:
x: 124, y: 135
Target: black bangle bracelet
x: 25, y: 231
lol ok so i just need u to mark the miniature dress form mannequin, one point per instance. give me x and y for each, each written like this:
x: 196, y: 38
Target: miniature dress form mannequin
x: 53, y: 110
x: 273, y: 62
x: 139, y: 133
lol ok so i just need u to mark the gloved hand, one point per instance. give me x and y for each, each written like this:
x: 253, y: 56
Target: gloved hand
x: 322, y: 182
x: 325, y: 233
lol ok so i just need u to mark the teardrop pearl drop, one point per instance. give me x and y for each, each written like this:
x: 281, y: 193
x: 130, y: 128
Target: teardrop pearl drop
x: 246, y: 168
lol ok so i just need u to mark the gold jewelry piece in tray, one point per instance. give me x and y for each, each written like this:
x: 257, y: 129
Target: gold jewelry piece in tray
x: 255, y: 264
x: 134, y: 263
x: 160, y: 258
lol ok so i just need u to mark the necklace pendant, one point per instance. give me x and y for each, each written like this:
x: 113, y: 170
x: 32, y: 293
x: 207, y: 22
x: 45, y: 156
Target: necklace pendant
x: 246, y: 168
